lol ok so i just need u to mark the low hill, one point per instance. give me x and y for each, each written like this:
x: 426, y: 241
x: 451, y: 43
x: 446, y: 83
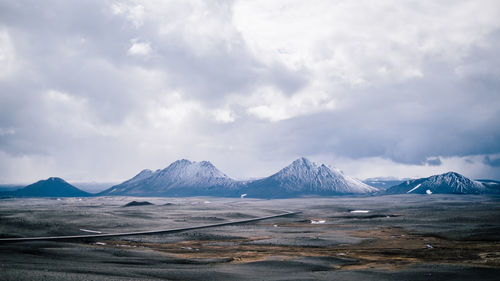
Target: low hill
x: 51, y: 187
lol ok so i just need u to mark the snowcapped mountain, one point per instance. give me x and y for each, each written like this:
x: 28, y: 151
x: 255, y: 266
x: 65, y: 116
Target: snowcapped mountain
x: 447, y: 183
x: 181, y: 178
x: 51, y: 187
x: 304, y: 177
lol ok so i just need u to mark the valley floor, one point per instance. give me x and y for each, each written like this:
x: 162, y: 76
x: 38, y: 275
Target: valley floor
x: 401, y: 237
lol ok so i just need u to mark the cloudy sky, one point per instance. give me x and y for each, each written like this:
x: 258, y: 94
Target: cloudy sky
x: 99, y: 90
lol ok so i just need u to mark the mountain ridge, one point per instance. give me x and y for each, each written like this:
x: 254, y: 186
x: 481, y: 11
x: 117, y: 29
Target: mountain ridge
x: 186, y: 178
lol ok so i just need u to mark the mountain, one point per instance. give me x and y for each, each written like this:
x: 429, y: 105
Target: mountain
x: 383, y: 183
x: 51, y: 187
x: 93, y: 187
x: 492, y: 186
x: 10, y: 187
x: 181, y: 178
x: 302, y: 178
x: 448, y: 183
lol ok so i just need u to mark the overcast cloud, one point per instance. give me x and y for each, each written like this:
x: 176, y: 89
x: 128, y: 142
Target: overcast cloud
x: 99, y: 90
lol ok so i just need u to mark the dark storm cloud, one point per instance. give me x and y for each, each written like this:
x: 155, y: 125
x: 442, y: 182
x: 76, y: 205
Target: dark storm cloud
x: 492, y: 162
x: 433, y: 161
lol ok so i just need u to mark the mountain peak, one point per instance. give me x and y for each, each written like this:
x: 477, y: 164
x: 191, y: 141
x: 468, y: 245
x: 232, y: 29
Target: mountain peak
x: 54, y: 179
x: 452, y: 174
x: 301, y: 165
x: 181, y: 162
x: 51, y: 187
x: 450, y: 177
x: 302, y: 161
x: 182, y: 177
x: 450, y: 182
x: 146, y: 171
x: 304, y: 177
x: 207, y: 164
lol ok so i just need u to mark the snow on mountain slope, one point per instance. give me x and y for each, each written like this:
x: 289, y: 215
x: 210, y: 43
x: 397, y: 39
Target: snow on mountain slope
x: 186, y: 173
x: 182, y: 177
x: 304, y: 177
x: 140, y: 176
x: 450, y: 182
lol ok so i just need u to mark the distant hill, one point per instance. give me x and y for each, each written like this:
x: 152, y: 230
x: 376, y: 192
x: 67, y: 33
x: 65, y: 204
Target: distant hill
x: 93, y: 187
x: 51, y: 187
x: 303, y: 178
x: 447, y: 183
x: 138, y: 203
x: 383, y: 183
x: 181, y: 178
x: 10, y: 187
x: 492, y: 186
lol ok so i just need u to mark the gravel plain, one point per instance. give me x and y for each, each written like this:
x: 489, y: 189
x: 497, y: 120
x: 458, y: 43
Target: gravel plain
x: 400, y: 237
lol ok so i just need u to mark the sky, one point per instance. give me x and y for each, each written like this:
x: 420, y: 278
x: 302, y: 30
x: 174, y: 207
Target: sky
x: 97, y: 90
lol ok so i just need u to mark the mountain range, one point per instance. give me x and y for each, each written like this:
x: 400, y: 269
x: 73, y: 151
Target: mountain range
x: 186, y: 178
x: 301, y: 178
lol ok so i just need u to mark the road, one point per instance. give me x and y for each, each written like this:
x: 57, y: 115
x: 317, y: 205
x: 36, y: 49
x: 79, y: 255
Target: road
x: 162, y: 231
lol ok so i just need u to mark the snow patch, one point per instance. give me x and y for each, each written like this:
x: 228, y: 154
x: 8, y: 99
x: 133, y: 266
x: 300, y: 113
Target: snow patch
x: 418, y: 185
x: 91, y: 231
x: 359, y: 211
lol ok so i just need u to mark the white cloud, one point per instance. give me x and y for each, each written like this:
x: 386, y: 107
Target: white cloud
x: 139, y: 48
x: 8, y: 61
x: 134, y: 13
x: 271, y: 104
x: 362, y: 43
x: 224, y: 115
x: 355, y: 38
x: 68, y: 114
x: 26, y: 169
x: 6, y: 132
x: 203, y: 26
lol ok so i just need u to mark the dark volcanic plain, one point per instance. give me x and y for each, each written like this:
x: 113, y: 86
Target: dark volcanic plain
x: 402, y: 237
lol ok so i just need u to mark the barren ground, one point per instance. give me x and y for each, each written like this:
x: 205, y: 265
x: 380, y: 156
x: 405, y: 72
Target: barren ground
x: 404, y: 237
